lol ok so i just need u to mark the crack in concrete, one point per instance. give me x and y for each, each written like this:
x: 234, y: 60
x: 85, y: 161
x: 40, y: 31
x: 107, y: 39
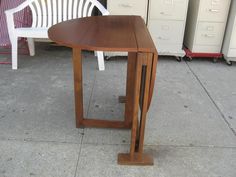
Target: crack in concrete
x: 212, y: 100
x: 77, y: 163
x: 91, y: 95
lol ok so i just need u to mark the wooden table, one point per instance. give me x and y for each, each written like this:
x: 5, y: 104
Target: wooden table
x: 115, y: 33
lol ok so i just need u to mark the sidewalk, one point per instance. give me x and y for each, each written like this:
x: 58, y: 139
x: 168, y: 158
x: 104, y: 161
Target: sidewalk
x: 191, y: 125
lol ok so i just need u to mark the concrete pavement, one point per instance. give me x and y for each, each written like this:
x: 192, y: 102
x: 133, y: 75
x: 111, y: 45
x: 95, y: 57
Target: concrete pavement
x: 191, y: 125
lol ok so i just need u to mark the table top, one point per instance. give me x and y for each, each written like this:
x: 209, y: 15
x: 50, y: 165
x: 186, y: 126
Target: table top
x: 104, y: 33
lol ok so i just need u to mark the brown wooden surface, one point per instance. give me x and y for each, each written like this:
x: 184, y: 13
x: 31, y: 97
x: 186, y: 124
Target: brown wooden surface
x: 135, y: 100
x: 122, y: 99
x: 115, y: 33
x: 153, y: 77
x: 124, y: 159
x: 105, y: 33
x: 147, y: 60
x: 130, y: 81
x: 78, y: 86
x: 89, y: 122
x: 143, y: 37
x: 141, y: 89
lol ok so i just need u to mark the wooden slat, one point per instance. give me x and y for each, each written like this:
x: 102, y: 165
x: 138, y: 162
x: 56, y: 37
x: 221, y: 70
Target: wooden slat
x: 153, y: 77
x: 104, y: 123
x: 130, y: 80
x: 78, y: 86
x: 143, y: 37
x: 136, y: 88
x: 147, y: 57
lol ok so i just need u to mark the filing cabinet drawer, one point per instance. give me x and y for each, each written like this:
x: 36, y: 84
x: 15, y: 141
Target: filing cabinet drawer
x: 232, y: 52
x: 166, y: 32
x: 209, y: 33
x: 206, y: 49
x: 214, y: 10
x: 168, y: 9
x: 170, y: 49
x: 127, y: 7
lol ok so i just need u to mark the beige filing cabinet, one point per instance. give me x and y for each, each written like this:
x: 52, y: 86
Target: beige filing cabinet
x: 166, y: 23
x: 229, y: 45
x: 206, y: 25
x: 126, y: 7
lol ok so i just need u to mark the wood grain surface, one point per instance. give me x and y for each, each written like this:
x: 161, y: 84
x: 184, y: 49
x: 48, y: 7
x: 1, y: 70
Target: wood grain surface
x: 115, y: 33
x: 105, y: 33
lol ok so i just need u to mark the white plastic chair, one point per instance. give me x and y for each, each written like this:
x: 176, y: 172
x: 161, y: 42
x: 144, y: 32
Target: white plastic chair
x: 46, y: 13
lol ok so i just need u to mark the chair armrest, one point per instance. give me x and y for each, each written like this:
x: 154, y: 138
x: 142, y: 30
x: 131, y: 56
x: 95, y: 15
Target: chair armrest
x: 10, y: 17
x: 19, y: 8
x: 10, y: 24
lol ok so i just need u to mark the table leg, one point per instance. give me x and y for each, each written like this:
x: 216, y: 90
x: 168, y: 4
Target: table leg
x: 141, y: 97
x: 145, y: 88
x: 78, y: 86
x: 153, y: 77
x: 78, y: 91
x: 130, y: 82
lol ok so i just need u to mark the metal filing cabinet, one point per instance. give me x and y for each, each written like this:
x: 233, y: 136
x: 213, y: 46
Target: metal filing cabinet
x: 229, y: 45
x: 166, y: 23
x: 128, y: 7
x: 206, y: 25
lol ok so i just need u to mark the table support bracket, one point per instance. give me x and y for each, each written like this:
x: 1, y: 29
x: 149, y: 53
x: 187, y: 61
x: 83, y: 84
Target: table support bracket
x: 142, y: 77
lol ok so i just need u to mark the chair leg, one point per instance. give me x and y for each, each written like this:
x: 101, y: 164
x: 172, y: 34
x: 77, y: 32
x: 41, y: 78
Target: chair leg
x: 31, y: 46
x: 101, y: 65
x: 14, y: 49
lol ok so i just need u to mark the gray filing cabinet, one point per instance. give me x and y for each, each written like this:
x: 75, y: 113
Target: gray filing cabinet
x: 166, y: 23
x: 128, y: 7
x: 205, y: 25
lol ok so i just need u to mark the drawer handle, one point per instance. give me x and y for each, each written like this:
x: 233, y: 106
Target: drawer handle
x: 164, y: 39
x: 126, y: 5
x: 209, y: 35
x: 210, y: 28
x: 215, y: 2
x: 169, y: 1
x: 163, y: 13
x: 214, y: 10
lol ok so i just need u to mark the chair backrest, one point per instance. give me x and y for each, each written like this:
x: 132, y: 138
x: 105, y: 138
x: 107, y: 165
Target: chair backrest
x: 46, y: 13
